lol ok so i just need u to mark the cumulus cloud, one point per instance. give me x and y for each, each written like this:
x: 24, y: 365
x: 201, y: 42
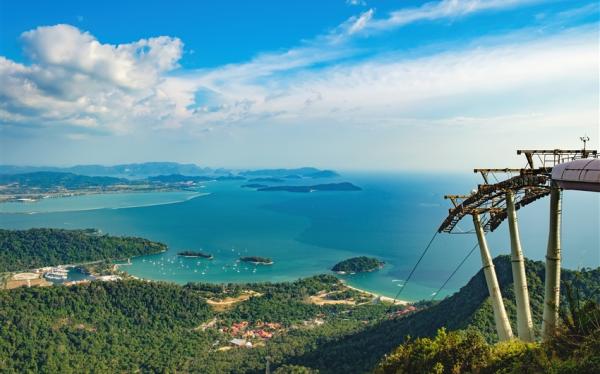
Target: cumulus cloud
x: 74, y: 79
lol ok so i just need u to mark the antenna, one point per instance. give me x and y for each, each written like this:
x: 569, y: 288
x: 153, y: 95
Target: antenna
x: 584, y: 139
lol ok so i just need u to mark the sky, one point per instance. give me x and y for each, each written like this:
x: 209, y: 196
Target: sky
x: 346, y: 84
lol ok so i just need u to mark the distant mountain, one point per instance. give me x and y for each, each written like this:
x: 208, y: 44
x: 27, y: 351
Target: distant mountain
x: 52, y: 179
x: 266, y: 180
x: 324, y: 174
x: 231, y: 178
x: 178, y: 178
x: 141, y: 170
x: 150, y: 169
x: 306, y: 172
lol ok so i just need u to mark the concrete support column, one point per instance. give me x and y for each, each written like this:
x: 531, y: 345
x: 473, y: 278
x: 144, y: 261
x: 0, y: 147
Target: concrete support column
x: 552, y: 282
x: 500, y: 317
x: 524, y: 321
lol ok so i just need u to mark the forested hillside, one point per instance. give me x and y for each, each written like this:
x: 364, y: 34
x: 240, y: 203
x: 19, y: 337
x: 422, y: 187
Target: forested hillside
x: 34, y: 248
x: 132, y: 325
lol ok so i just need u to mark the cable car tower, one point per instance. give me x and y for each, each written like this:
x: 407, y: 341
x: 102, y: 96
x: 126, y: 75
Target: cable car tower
x: 498, y: 200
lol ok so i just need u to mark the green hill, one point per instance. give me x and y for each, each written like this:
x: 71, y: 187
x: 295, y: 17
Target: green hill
x: 35, y: 248
x: 129, y: 326
x: 49, y: 180
x: 468, y: 308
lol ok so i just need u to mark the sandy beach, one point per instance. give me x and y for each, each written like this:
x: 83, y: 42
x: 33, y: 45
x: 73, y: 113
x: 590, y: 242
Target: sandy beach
x: 383, y: 298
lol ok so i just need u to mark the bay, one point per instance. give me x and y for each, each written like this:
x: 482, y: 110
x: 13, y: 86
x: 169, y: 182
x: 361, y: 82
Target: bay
x: 392, y: 218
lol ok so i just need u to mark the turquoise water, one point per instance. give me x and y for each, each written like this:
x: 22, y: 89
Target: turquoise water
x: 98, y: 201
x: 393, y: 218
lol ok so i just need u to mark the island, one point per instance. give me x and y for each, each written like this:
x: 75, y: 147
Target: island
x: 343, y: 186
x: 256, y: 260
x: 266, y: 180
x: 195, y: 254
x: 360, y: 264
x: 254, y: 185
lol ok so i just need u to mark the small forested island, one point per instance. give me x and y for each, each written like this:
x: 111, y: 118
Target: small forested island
x: 195, y: 254
x: 343, y: 186
x: 257, y: 260
x: 358, y: 265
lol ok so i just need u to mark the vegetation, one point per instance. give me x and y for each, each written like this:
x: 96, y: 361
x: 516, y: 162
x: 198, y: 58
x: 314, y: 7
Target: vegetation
x: 49, y: 180
x: 195, y: 254
x: 257, y: 260
x: 358, y: 265
x: 129, y: 326
x: 130, y: 170
x: 178, y: 178
x: 254, y: 185
x: 574, y: 350
x: 35, y: 248
x: 266, y: 180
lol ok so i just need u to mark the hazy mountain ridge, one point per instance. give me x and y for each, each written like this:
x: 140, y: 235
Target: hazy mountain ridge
x: 153, y: 169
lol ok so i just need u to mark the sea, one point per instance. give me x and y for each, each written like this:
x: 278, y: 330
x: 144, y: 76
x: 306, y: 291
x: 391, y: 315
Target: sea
x: 393, y: 218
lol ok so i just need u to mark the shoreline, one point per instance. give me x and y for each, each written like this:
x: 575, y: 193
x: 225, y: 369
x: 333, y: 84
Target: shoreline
x: 194, y: 195
x: 383, y: 298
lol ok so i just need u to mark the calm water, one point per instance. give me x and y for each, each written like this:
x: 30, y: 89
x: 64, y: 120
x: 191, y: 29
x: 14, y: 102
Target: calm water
x: 105, y: 201
x: 393, y: 218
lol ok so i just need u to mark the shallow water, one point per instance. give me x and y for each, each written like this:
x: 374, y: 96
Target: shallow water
x: 392, y: 218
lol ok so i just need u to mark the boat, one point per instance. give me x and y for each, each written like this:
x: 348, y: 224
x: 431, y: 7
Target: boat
x: 57, y: 274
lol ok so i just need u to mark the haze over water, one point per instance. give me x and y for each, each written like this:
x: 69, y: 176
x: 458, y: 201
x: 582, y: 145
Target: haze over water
x: 392, y: 218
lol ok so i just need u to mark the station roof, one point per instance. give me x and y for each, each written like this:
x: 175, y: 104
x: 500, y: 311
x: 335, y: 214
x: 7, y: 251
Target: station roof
x: 582, y: 175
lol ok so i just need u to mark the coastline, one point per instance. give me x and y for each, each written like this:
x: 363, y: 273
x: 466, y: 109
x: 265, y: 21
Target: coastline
x: 383, y: 298
x: 67, y: 210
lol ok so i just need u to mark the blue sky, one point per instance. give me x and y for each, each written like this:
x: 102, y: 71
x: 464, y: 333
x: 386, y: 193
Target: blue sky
x: 344, y: 84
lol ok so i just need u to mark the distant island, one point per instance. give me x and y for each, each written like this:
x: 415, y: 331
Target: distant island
x: 305, y: 172
x: 343, y: 186
x: 33, y: 183
x: 358, y: 265
x: 257, y: 260
x: 231, y: 178
x: 254, y: 185
x: 266, y: 180
x: 178, y: 178
x: 195, y: 254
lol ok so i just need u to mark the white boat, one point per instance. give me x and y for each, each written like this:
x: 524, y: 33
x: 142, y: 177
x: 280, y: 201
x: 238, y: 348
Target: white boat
x: 57, y: 274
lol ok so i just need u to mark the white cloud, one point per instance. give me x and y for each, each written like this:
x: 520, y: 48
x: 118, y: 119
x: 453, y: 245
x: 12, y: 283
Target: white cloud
x: 392, y: 87
x: 356, y: 2
x: 361, y: 22
x: 77, y: 81
x: 442, y: 9
x: 134, y: 65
